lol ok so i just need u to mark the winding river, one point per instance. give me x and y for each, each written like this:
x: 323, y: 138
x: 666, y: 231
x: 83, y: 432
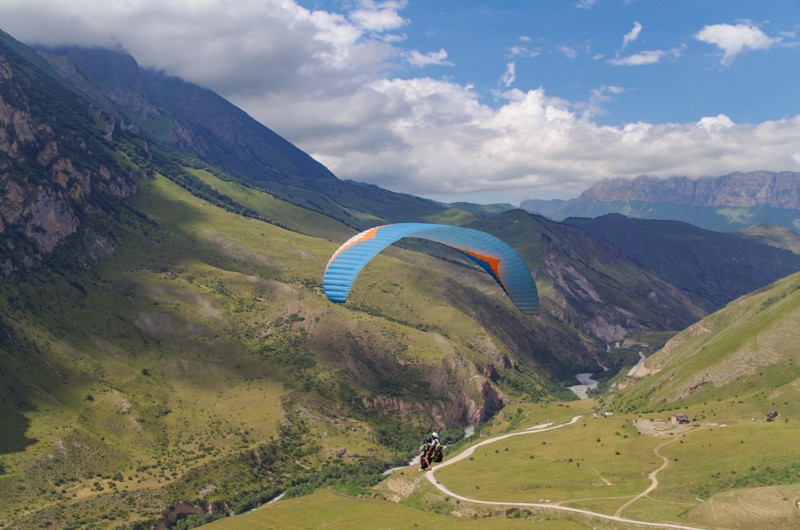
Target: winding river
x: 586, y: 383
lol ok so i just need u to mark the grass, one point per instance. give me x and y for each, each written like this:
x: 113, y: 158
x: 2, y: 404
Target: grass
x: 745, y: 349
x: 565, y: 464
x: 155, y: 371
x: 301, y: 220
x: 329, y: 510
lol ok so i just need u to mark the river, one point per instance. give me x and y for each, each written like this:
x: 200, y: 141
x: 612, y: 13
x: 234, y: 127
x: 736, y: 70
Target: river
x: 586, y: 383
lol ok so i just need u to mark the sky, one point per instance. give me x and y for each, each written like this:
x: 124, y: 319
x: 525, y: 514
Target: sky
x: 483, y: 101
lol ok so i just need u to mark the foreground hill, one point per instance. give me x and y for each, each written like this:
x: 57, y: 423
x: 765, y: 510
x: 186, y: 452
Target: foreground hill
x: 746, y: 350
x: 732, y: 465
x: 726, y: 203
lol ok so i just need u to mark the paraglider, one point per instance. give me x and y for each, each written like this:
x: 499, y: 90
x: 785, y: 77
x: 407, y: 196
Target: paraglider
x: 493, y: 255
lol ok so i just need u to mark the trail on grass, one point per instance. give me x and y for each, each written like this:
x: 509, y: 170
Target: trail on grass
x: 652, y: 476
x: 543, y: 428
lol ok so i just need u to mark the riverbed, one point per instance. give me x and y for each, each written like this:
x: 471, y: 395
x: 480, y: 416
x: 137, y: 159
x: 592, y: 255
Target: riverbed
x: 586, y: 383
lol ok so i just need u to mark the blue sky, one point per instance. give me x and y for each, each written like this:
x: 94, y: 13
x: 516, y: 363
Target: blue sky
x: 481, y: 101
x: 569, y: 50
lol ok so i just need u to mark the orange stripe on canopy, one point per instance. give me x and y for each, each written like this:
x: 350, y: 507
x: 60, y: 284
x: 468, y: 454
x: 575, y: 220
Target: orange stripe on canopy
x: 364, y: 236
x: 494, y: 263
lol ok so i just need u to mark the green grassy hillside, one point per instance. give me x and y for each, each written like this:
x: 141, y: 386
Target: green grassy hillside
x: 153, y: 371
x: 745, y: 351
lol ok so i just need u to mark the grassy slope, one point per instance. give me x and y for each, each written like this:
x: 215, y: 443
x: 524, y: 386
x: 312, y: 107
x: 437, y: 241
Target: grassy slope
x: 776, y: 236
x: 304, y: 221
x: 327, y: 510
x: 182, y: 348
x: 746, y: 349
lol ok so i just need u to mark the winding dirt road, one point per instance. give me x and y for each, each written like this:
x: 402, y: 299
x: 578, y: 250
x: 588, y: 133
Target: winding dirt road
x: 652, y: 476
x: 549, y: 427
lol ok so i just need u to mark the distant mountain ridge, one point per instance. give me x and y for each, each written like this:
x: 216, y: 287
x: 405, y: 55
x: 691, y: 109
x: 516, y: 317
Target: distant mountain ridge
x: 728, y: 203
x: 758, y: 188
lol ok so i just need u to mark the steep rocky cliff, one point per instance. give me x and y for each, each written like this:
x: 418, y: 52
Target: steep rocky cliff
x: 53, y: 162
x: 758, y: 188
x: 727, y: 203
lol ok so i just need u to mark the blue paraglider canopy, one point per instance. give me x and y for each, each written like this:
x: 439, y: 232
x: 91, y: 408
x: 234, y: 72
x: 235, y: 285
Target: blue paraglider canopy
x: 494, y: 255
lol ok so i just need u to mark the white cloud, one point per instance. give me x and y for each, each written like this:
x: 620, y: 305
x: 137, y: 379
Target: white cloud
x: 443, y: 141
x: 509, y: 75
x: 439, y: 58
x: 568, y: 52
x: 645, y: 57
x: 586, y: 4
x: 716, y: 123
x: 519, y: 50
x: 378, y: 16
x: 632, y: 35
x: 733, y: 40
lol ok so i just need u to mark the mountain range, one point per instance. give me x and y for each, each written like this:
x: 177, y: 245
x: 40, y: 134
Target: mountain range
x: 726, y: 203
x: 163, y: 330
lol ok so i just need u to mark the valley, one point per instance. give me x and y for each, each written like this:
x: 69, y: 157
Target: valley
x: 168, y: 358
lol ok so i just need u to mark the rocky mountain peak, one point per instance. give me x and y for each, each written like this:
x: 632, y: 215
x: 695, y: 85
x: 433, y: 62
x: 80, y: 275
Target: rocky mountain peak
x: 757, y: 188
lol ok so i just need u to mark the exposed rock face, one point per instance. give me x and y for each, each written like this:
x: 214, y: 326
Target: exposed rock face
x: 759, y: 188
x: 464, y: 411
x: 47, y: 175
x: 727, y: 203
x: 181, y: 509
x: 608, y: 323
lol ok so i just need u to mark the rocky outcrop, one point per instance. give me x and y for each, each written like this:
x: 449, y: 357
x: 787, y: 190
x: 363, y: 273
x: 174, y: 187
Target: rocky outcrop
x: 48, y: 175
x: 181, y: 509
x: 466, y: 411
x: 463, y: 411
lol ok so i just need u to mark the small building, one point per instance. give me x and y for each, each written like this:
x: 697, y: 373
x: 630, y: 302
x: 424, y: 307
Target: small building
x: 772, y: 415
x: 608, y: 414
x: 678, y: 419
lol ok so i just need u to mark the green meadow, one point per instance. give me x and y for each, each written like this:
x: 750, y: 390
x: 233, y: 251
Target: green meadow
x: 331, y: 510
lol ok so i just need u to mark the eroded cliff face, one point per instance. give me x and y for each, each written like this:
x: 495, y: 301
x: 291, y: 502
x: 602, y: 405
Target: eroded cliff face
x: 46, y: 186
x: 757, y: 188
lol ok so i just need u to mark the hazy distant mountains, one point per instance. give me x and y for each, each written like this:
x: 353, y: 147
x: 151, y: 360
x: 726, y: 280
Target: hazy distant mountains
x: 727, y: 203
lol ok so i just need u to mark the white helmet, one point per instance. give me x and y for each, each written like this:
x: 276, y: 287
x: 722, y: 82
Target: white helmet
x: 435, y: 434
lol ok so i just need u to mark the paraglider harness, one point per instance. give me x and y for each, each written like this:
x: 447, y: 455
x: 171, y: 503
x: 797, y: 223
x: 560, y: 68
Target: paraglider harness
x: 436, y: 450
x: 431, y: 451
